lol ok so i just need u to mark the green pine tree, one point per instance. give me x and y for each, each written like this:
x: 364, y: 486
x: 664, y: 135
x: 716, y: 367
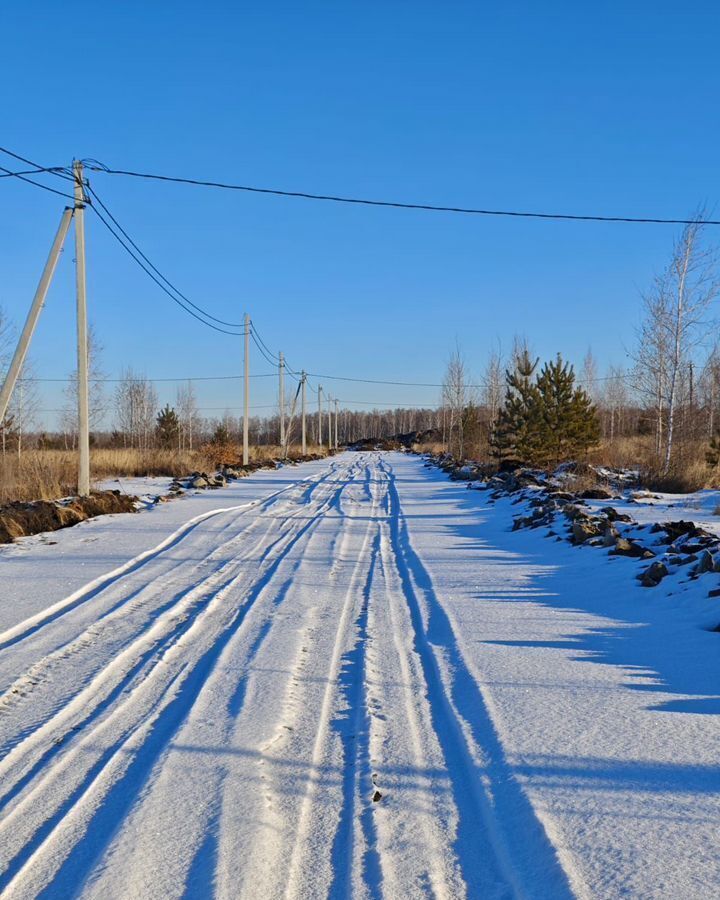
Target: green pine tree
x: 712, y: 456
x: 512, y: 435
x: 565, y: 420
x: 221, y: 435
x: 168, y: 427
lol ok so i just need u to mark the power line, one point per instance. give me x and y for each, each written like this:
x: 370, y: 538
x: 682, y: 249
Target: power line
x: 393, y: 204
x: 154, y: 380
x: 157, y: 281
x: 9, y: 172
x: 259, y: 338
x: 59, y: 171
x: 36, y: 171
x: 157, y: 271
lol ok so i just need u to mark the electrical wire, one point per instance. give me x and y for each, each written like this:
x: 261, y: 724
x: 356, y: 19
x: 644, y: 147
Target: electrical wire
x: 54, y: 169
x: 259, y: 338
x: 9, y: 172
x: 157, y: 271
x: 37, y: 171
x: 392, y: 204
x: 154, y: 380
x: 157, y: 281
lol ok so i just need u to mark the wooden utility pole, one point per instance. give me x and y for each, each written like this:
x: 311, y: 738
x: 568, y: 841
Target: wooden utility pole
x: 82, y: 339
x: 246, y: 394
x: 281, y: 397
x: 319, y: 415
x: 35, y: 310
x: 304, y: 440
x: 336, y: 423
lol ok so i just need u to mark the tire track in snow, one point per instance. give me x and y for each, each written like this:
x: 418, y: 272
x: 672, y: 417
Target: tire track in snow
x: 140, y: 601
x: 187, y: 684
x: 31, y: 625
x: 491, y: 804
x: 151, y: 640
x: 302, y: 869
x: 199, y: 872
x: 349, y: 854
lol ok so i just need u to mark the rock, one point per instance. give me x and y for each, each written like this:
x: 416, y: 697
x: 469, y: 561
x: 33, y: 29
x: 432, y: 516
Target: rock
x: 612, y: 515
x: 584, y: 530
x: 521, y: 522
x: 376, y: 796
x: 681, y: 528
x: 624, y: 547
x: 199, y: 481
x: 715, y: 592
x: 654, y: 574
x: 571, y: 511
x: 610, y: 536
x: 561, y: 496
x: 596, y: 494
x: 706, y: 562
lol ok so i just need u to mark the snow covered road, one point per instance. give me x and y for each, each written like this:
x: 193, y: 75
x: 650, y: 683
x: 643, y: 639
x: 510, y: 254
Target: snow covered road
x: 356, y: 684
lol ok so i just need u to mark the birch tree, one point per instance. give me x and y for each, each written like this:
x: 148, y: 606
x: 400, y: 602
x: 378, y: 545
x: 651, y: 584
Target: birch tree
x: 688, y: 286
x: 454, y: 399
x: 189, y: 415
x: 493, y: 387
x: 97, y: 399
x: 136, y: 403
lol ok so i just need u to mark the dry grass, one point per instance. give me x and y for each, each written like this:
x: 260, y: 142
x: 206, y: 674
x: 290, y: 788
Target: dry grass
x: 50, y: 474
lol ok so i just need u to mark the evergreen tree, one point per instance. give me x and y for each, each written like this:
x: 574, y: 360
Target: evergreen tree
x: 565, y: 421
x: 512, y: 434
x: 168, y: 427
x: 221, y: 435
x: 712, y: 456
x: 547, y: 420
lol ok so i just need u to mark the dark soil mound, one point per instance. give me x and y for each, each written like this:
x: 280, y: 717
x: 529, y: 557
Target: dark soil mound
x: 21, y: 519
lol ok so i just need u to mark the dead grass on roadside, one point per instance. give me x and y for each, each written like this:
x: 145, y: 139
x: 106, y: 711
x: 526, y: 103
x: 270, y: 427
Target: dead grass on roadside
x: 51, y: 474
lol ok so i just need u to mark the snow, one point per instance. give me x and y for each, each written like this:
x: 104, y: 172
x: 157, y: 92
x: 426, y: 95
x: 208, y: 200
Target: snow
x: 202, y: 700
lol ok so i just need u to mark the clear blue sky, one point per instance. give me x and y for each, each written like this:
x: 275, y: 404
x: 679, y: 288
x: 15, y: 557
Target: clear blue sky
x: 573, y: 107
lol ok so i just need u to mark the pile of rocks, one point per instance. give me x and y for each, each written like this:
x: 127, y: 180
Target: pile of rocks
x: 667, y: 546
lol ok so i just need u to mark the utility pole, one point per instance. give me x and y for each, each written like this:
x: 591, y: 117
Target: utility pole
x: 329, y: 410
x: 281, y: 397
x: 320, y: 415
x: 336, y: 418
x: 32, y: 317
x: 304, y: 441
x: 82, y: 340
x: 246, y: 392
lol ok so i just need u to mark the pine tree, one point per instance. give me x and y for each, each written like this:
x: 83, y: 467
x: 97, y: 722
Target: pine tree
x: 168, y: 427
x: 221, y: 435
x: 565, y: 420
x: 712, y: 457
x: 512, y: 434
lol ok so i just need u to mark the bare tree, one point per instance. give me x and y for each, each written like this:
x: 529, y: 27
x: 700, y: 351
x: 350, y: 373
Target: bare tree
x: 455, y: 398
x: 589, y: 377
x: 190, y: 423
x: 615, y: 399
x: 688, y: 285
x: 651, y: 360
x: 136, y: 403
x: 6, y: 346
x: 97, y: 399
x: 493, y: 387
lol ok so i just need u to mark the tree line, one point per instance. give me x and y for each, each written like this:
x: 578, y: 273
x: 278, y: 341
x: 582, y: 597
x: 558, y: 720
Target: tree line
x: 668, y: 394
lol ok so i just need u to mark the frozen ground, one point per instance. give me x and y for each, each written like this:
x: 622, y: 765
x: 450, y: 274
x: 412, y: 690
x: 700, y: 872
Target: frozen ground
x: 351, y: 680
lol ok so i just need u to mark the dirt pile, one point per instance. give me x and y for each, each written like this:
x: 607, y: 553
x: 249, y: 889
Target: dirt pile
x: 21, y: 519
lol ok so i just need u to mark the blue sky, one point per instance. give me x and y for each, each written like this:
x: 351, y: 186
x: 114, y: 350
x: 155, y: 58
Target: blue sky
x: 604, y: 108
